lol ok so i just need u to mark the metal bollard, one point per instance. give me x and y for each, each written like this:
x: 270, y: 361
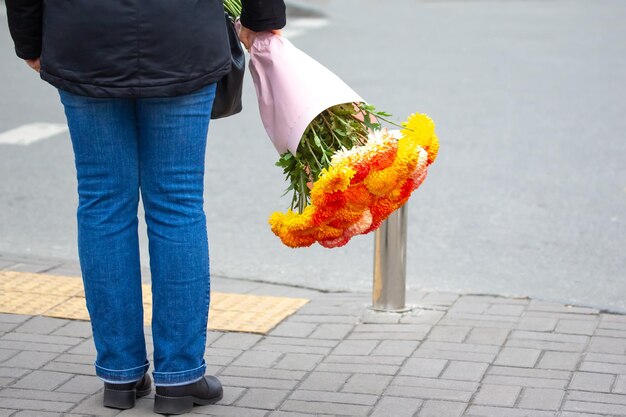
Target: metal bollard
x: 389, y: 290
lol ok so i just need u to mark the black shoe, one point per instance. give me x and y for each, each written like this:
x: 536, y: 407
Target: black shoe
x: 180, y: 399
x: 123, y: 396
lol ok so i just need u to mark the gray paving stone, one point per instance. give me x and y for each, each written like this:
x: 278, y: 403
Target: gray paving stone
x: 597, y: 397
x: 228, y: 411
x: 505, y: 310
x: 13, y: 318
x: 81, y: 384
x: 237, y: 340
x: 315, y: 407
x: 525, y: 381
x: 595, y: 407
x: 392, y: 328
x: 367, y: 384
x: 449, y: 333
x: 537, y: 324
x: 559, y: 360
x: 488, y: 411
x: 293, y: 329
x: 334, y: 397
x: 458, y: 355
x: 32, y: 346
x: 86, y: 347
x: 396, y: 407
x: 422, y: 317
x: 462, y: 306
x: 331, y: 331
x: 355, y: 347
x: 262, y: 398
x: 465, y: 371
x: 295, y: 341
x: 41, y: 325
x: 39, y: 413
x: 387, y: 336
x: 75, y: 358
x: 42, y: 338
x: 380, y: 317
x: 297, y: 361
x: 428, y: 393
x: 40, y: 395
x: 294, y: 414
x: 73, y: 368
x: 258, y: 359
x: 413, y: 381
x: 607, y: 345
x: 256, y: 382
x: 42, y: 380
x: 600, y: 367
x: 319, y: 318
x: 75, y: 328
x: 546, y: 345
x: 365, y: 359
x: 271, y: 373
x: 542, y: 399
x: 620, y: 385
x: 576, y: 327
x: 522, y: 357
x: 13, y: 373
x: 587, y: 381
x: 487, y: 336
x: 29, y: 359
x: 402, y: 348
x: 605, y: 357
x: 575, y: 414
x: 5, y: 412
x: 7, y: 327
x: 529, y: 373
x: 460, y: 347
x: 232, y: 394
x: 423, y: 367
x: 434, y: 408
x: 472, y: 322
x: 29, y: 404
x: 8, y: 353
x: 357, y: 368
x: 288, y: 348
x: 497, y: 395
x: 325, y: 381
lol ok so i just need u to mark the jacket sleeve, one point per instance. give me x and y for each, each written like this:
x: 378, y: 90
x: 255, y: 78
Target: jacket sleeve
x: 25, y: 25
x: 263, y: 15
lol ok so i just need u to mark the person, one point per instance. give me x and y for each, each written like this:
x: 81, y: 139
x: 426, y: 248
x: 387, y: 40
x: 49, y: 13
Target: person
x: 137, y: 81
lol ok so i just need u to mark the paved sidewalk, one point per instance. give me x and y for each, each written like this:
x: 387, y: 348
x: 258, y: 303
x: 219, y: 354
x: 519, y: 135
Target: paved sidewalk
x: 452, y: 355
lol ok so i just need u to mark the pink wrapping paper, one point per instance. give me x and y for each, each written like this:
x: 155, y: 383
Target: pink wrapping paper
x: 292, y: 89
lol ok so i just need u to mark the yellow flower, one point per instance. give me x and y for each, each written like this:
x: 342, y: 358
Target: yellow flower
x: 421, y: 129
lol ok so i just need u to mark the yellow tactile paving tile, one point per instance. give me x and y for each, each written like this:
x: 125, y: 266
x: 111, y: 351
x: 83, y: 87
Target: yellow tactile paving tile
x: 63, y: 297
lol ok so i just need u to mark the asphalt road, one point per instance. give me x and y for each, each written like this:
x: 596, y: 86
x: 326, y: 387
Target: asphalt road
x: 527, y: 196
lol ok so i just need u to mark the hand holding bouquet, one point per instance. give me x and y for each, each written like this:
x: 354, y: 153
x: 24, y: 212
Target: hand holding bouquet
x: 346, y: 172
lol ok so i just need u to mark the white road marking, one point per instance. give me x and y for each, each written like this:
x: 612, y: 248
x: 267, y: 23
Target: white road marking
x: 297, y: 27
x: 30, y: 133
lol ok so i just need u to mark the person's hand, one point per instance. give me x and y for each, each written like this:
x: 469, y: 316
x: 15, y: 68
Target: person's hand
x: 247, y: 36
x: 34, y: 64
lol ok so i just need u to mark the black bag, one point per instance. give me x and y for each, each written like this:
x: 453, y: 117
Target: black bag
x: 228, y: 94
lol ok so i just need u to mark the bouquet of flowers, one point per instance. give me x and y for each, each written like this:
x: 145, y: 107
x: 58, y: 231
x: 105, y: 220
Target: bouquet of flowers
x: 346, y: 172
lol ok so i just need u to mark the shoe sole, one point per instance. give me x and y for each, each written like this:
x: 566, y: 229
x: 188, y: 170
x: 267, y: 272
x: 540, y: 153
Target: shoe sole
x: 181, y: 405
x: 123, y: 400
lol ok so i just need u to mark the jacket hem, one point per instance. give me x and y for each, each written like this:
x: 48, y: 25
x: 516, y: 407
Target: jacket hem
x: 135, y: 91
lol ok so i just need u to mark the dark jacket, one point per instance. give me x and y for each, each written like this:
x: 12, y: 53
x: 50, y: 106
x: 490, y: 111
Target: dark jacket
x: 131, y: 48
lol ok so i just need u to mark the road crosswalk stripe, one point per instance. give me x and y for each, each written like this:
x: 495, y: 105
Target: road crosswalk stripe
x: 30, y: 133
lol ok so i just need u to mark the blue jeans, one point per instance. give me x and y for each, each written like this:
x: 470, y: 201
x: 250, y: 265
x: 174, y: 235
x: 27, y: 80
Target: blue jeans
x: 156, y: 146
